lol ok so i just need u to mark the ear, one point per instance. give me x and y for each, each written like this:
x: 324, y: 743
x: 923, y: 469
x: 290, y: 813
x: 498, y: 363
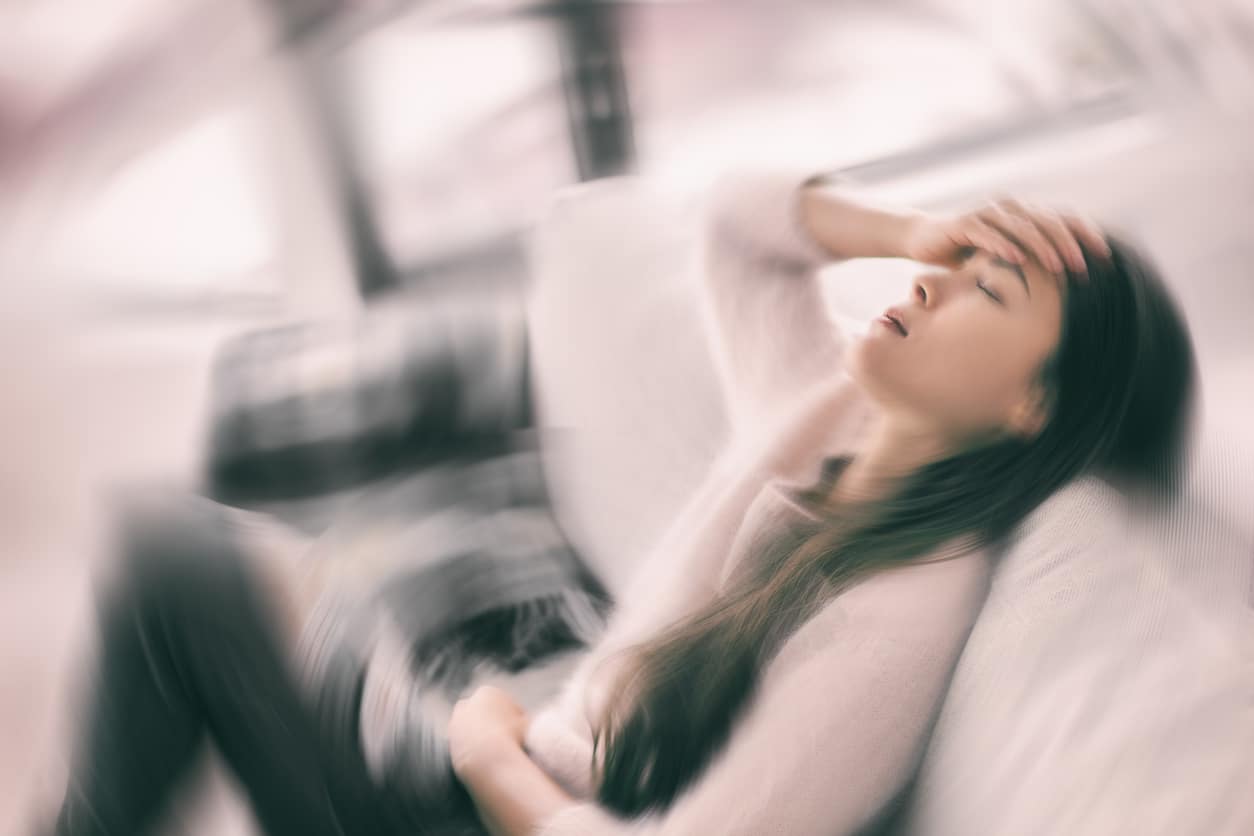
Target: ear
x: 1030, y: 413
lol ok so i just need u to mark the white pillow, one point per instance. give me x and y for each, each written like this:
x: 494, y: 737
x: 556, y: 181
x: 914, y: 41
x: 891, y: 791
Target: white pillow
x: 1106, y: 686
x: 625, y: 388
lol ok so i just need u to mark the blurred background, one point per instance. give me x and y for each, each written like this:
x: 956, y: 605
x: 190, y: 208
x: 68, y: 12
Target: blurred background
x: 175, y: 173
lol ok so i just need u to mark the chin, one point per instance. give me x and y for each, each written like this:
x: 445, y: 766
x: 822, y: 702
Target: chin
x: 884, y: 380
x: 861, y: 368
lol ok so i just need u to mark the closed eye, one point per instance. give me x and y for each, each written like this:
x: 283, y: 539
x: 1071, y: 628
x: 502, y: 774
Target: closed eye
x: 989, y: 292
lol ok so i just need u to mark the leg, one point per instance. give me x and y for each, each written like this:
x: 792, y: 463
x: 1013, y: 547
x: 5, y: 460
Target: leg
x: 189, y: 648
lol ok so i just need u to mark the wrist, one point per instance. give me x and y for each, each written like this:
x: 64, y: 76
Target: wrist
x: 847, y: 227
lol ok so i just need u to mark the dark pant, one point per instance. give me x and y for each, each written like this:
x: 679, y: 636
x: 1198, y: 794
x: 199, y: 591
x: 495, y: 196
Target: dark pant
x: 190, y: 651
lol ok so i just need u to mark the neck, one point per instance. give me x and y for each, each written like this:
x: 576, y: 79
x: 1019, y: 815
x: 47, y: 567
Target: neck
x: 892, y: 450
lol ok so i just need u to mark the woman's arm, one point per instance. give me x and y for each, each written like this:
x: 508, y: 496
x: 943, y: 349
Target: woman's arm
x: 822, y: 750
x: 846, y: 227
x: 769, y: 232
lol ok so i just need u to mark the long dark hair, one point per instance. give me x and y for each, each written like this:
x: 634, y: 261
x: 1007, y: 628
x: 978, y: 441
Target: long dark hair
x: 1120, y: 391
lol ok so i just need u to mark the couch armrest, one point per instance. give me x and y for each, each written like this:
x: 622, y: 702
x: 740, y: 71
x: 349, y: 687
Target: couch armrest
x: 308, y: 408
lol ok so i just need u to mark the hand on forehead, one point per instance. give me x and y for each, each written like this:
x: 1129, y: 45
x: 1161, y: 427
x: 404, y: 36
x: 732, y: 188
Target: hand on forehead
x: 1031, y: 235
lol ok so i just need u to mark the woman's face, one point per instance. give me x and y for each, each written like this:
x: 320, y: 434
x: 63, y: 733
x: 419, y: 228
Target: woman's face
x: 975, y: 339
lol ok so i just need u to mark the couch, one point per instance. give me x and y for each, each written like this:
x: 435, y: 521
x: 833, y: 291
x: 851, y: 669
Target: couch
x: 1107, y: 685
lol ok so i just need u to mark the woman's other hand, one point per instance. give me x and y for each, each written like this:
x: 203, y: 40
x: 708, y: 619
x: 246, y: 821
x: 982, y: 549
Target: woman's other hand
x: 1009, y: 229
x: 482, y: 726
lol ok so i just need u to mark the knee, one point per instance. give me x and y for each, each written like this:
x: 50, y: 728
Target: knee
x: 172, y: 550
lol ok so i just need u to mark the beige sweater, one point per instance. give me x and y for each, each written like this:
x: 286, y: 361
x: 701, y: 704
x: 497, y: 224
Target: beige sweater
x: 842, y: 712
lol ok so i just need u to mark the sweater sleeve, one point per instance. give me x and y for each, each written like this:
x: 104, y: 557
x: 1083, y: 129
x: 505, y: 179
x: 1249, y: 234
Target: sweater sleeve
x: 822, y: 750
x: 662, y: 590
x: 766, y: 314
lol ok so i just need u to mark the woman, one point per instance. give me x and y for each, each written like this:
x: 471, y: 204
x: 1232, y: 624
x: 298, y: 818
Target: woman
x: 777, y: 662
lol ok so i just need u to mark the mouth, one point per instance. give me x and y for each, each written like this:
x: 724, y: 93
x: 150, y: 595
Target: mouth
x: 892, y: 318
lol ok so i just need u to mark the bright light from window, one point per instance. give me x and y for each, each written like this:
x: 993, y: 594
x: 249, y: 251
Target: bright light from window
x: 187, y: 214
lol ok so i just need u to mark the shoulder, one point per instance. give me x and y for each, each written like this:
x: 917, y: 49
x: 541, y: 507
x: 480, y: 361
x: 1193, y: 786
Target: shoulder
x: 925, y: 595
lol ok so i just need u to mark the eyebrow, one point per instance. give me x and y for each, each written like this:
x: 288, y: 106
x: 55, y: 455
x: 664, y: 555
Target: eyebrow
x: 998, y: 261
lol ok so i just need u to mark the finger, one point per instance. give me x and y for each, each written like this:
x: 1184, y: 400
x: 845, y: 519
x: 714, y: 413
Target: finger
x: 1026, y: 234
x: 1010, y: 215
x: 1054, y: 228
x: 979, y: 234
x: 1087, y: 231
